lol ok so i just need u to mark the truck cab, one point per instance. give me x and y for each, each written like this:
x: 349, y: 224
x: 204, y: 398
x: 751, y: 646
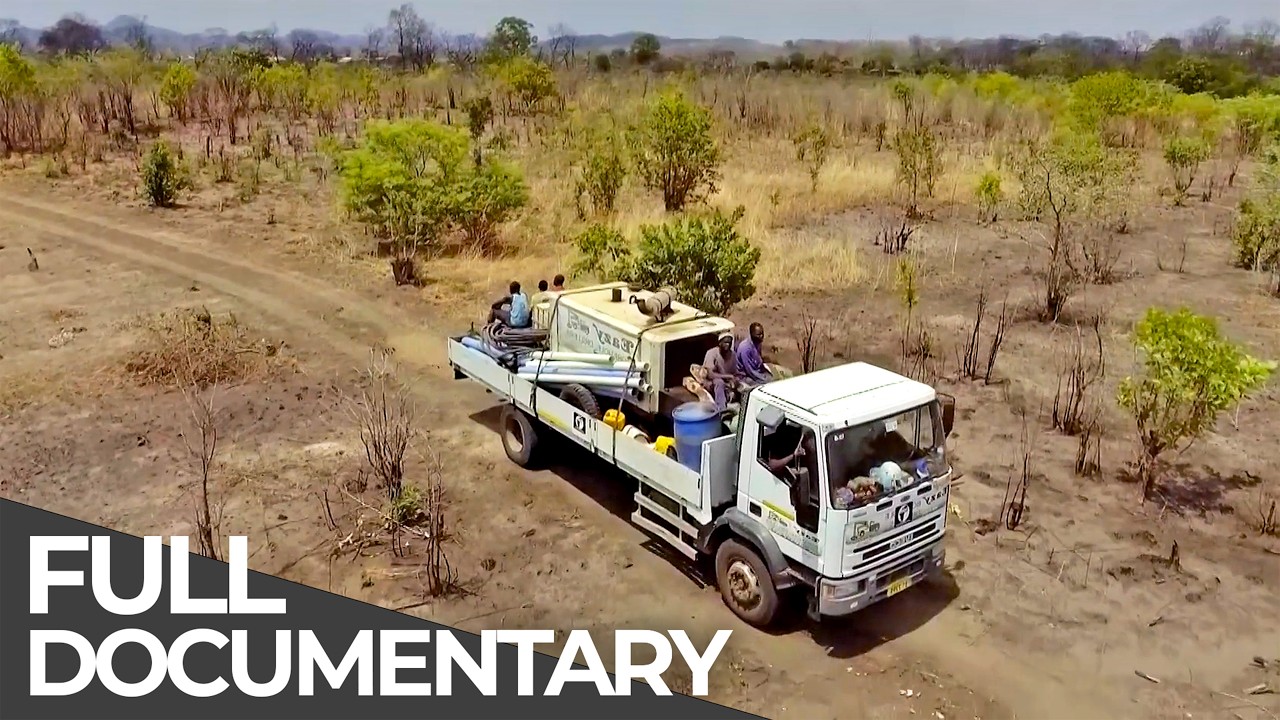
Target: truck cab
x: 815, y: 470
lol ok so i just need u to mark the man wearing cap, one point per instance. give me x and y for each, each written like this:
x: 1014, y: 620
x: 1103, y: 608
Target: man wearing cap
x: 721, y: 369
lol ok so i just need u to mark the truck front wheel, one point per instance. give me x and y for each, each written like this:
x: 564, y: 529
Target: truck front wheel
x: 519, y: 436
x: 745, y: 583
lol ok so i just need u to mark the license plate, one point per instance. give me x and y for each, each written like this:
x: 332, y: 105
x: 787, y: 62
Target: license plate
x: 898, y: 586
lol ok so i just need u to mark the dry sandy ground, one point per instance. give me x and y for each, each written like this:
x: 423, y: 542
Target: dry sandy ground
x: 1049, y: 621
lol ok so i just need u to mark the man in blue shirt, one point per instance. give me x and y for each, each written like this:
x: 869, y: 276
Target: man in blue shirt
x: 751, y: 367
x: 512, y: 310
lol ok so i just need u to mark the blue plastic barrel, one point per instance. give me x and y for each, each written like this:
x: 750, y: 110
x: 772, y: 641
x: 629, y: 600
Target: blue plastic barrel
x: 695, y: 423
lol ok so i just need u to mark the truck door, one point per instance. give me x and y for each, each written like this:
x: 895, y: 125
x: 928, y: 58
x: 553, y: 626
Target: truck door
x: 783, y: 482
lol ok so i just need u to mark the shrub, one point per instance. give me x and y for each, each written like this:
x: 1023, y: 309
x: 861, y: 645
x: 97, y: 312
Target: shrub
x: 919, y: 162
x: 675, y: 152
x: 601, y: 62
x: 528, y: 80
x: 601, y: 175
x: 410, y: 182
x: 1191, y: 374
x: 1183, y: 155
x: 486, y: 198
x: 645, y: 48
x: 600, y: 248
x: 175, y: 89
x: 163, y: 176
x: 989, y: 195
x: 710, y: 265
x: 1256, y: 234
x: 812, y: 147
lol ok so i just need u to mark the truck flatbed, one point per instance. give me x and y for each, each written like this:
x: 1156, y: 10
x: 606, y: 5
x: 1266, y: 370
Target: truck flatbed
x: 677, y: 495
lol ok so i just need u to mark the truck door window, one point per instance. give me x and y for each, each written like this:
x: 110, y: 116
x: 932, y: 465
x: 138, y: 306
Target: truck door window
x: 790, y: 453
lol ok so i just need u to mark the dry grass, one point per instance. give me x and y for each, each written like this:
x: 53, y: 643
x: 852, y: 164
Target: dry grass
x: 185, y: 347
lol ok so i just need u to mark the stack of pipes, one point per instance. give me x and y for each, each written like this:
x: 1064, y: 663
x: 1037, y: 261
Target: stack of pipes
x: 601, y: 373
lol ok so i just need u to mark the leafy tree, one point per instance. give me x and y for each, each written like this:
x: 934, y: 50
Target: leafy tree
x: 479, y: 112
x: 645, y: 48
x: 675, y: 152
x: 175, y: 89
x: 410, y: 182
x: 17, y: 85
x: 488, y: 196
x: 511, y: 37
x: 1254, y: 120
x: 599, y: 249
x: 1100, y: 98
x: 602, y: 62
x: 711, y: 266
x: 601, y: 173
x: 813, y: 145
x: 1191, y: 375
x: 1191, y: 75
x: 1183, y: 155
x: 163, y: 176
x: 528, y: 80
x: 919, y: 152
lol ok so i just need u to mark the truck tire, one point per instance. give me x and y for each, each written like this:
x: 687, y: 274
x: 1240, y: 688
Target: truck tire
x: 582, y: 398
x: 519, y: 435
x: 745, y: 583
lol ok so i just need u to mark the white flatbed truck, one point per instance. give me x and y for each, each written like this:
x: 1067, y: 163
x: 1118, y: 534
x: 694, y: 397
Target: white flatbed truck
x: 769, y: 530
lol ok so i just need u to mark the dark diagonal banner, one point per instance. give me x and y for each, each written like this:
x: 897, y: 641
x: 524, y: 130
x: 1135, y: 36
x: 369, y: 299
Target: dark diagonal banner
x: 99, y: 624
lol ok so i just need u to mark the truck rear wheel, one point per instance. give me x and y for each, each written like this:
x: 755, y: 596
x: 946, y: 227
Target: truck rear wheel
x: 519, y: 436
x: 745, y: 583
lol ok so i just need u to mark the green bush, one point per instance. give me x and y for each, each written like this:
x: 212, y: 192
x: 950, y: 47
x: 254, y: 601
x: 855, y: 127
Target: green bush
x: 1256, y: 234
x: 163, y: 176
x: 989, y: 194
x: 528, y: 80
x: 710, y: 265
x: 919, y: 162
x: 813, y: 145
x: 1183, y: 155
x: 601, y: 174
x: 675, y: 152
x: 1190, y: 375
x: 599, y: 249
x: 410, y: 183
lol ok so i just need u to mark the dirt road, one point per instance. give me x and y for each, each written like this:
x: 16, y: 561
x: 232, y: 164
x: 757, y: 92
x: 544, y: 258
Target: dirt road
x: 595, y: 576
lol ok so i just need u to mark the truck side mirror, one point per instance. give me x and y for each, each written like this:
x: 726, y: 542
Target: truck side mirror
x: 948, y: 403
x: 770, y: 417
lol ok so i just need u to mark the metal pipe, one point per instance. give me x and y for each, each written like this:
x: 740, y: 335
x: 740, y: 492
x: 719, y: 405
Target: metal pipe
x: 634, y: 383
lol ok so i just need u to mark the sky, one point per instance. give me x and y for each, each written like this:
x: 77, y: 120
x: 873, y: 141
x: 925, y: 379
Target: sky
x: 766, y: 20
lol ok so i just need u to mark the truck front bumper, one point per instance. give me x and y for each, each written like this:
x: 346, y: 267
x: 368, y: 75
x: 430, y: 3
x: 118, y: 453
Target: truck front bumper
x: 834, y: 598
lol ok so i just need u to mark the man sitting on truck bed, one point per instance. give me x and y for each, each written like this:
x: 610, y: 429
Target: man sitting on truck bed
x: 512, y: 310
x: 751, y: 367
x: 721, y: 367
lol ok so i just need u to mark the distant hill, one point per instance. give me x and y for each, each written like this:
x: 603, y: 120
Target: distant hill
x: 116, y: 31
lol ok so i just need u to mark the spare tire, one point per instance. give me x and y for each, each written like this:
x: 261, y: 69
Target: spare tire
x: 582, y: 398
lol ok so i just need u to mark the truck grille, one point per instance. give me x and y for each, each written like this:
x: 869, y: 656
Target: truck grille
x: 886, y: 552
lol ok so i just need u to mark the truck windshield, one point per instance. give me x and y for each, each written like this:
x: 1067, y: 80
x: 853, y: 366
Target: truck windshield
x: 870, y: 461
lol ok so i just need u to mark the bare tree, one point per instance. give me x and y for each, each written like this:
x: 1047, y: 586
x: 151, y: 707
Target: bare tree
x: 208, y: 513
x: 385, y: 414
x: 1073, y: 411
x: 464, y: 50
x: 417, y: 43
x: 562, y: 44
x: 137, y: 36
x: 73, y: 35
x: 11, y: 32
x: 1211, y: 36
x: 304, y: 44
x: 374, y: 37
x: 1135, y: 43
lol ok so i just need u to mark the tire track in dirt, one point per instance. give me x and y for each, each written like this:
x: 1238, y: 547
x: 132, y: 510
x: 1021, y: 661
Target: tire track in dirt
x: 325, y: 317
